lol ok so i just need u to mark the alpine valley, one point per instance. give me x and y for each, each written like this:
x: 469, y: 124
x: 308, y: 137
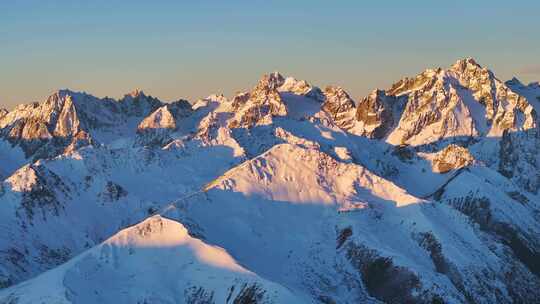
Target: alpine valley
x: 427, y: 192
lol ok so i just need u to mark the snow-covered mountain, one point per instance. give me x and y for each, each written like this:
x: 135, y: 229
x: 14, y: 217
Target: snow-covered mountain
x: 68, y: 120
x: 423, y: 193
x: 147, y: 263
x: 461, y: 102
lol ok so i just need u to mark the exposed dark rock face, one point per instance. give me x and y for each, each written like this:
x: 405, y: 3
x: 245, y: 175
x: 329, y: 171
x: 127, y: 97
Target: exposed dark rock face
x: 113, y: 192
x: 249, y: 294
x: 518, y: 159
x: 240, y: 99
x: 138, y: 104
x: 3, y: 112
x: 264, y: 102
x: 67, y: 120
x: 343, y: 236
x: 384, y: 280
x: 198, y: 295
x: 452, y: 157
x: 520, y: 246
x: 340, y: 106
x: 378, y: 113
x: 508, y: 158
x: 41, y: 195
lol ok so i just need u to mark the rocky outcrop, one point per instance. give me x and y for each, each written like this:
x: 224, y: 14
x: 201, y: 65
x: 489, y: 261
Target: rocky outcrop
x: 340, y: 107
x: 502, y: 105
x: 531, y: 91
x: 261, y: 104
x: 67, y: 120
x: 452, y: 157
x: 461, y: 102
x: 158, y: 126
x: 112, y: 192
x: 3, y: 112
x: 518, y: 159
x: 138, y: 104
x: 435, y: 109
x: 301, y: 87
x: 377, y: 114
x: 44, y: 129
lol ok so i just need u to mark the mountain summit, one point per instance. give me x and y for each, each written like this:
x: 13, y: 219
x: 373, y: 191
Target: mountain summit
x: 461, y: 102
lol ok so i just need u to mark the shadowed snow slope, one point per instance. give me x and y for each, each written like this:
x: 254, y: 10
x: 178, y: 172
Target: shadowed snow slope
x: 155, y: 261
x: 298, y: 216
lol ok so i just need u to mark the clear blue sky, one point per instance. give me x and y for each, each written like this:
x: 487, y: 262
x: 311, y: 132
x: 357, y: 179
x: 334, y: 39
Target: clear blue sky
x: 190, y: 49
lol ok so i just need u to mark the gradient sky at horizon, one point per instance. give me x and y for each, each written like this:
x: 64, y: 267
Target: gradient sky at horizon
x: 180, y: 49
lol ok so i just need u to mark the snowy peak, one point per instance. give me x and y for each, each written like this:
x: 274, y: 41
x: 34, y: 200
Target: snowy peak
x: 159, y: 232
x: 301, y: 88
x: 136, y: 93
x: 138, y: 104
x: 531, y: 91
x: 67, y: 120
x: 216, y: 99
x: 153, y: 231
x: 463, y: 101
x: 501, y: 103
x: 176, y: 267
x: 274, y: 96
x: 261, y: 104
x: 158, y: 126
x: 466, y: 64
x: 162, y: 118
x: 271, y: 81
x: 165, y: 117
x: 35, y: 126
x: 428, y: 78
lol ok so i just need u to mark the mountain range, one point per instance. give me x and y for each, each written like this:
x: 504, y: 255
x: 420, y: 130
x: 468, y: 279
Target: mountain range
x: 426, y: 192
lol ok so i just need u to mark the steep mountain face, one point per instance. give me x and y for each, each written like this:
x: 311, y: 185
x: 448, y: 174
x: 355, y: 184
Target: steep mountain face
x: 366, y: 237
x: 423, y: 193
x: 301, y: 87
x: 340, y: 106
x: 68, y: 120
x: 531, y: 91
x: 461, y: 102
x: 261, y: 104
x: 156, y: 128
x: 274, y: 96
x: 378, y: 114
x: 3, y: 112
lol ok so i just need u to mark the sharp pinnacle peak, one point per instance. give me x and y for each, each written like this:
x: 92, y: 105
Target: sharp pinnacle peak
x: 136, y: 93
x: 467, y: 61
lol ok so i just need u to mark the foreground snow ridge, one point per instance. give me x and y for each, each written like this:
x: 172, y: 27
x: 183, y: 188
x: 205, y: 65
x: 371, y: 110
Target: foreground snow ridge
x: 426, y: 192
x: 155, y: 261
